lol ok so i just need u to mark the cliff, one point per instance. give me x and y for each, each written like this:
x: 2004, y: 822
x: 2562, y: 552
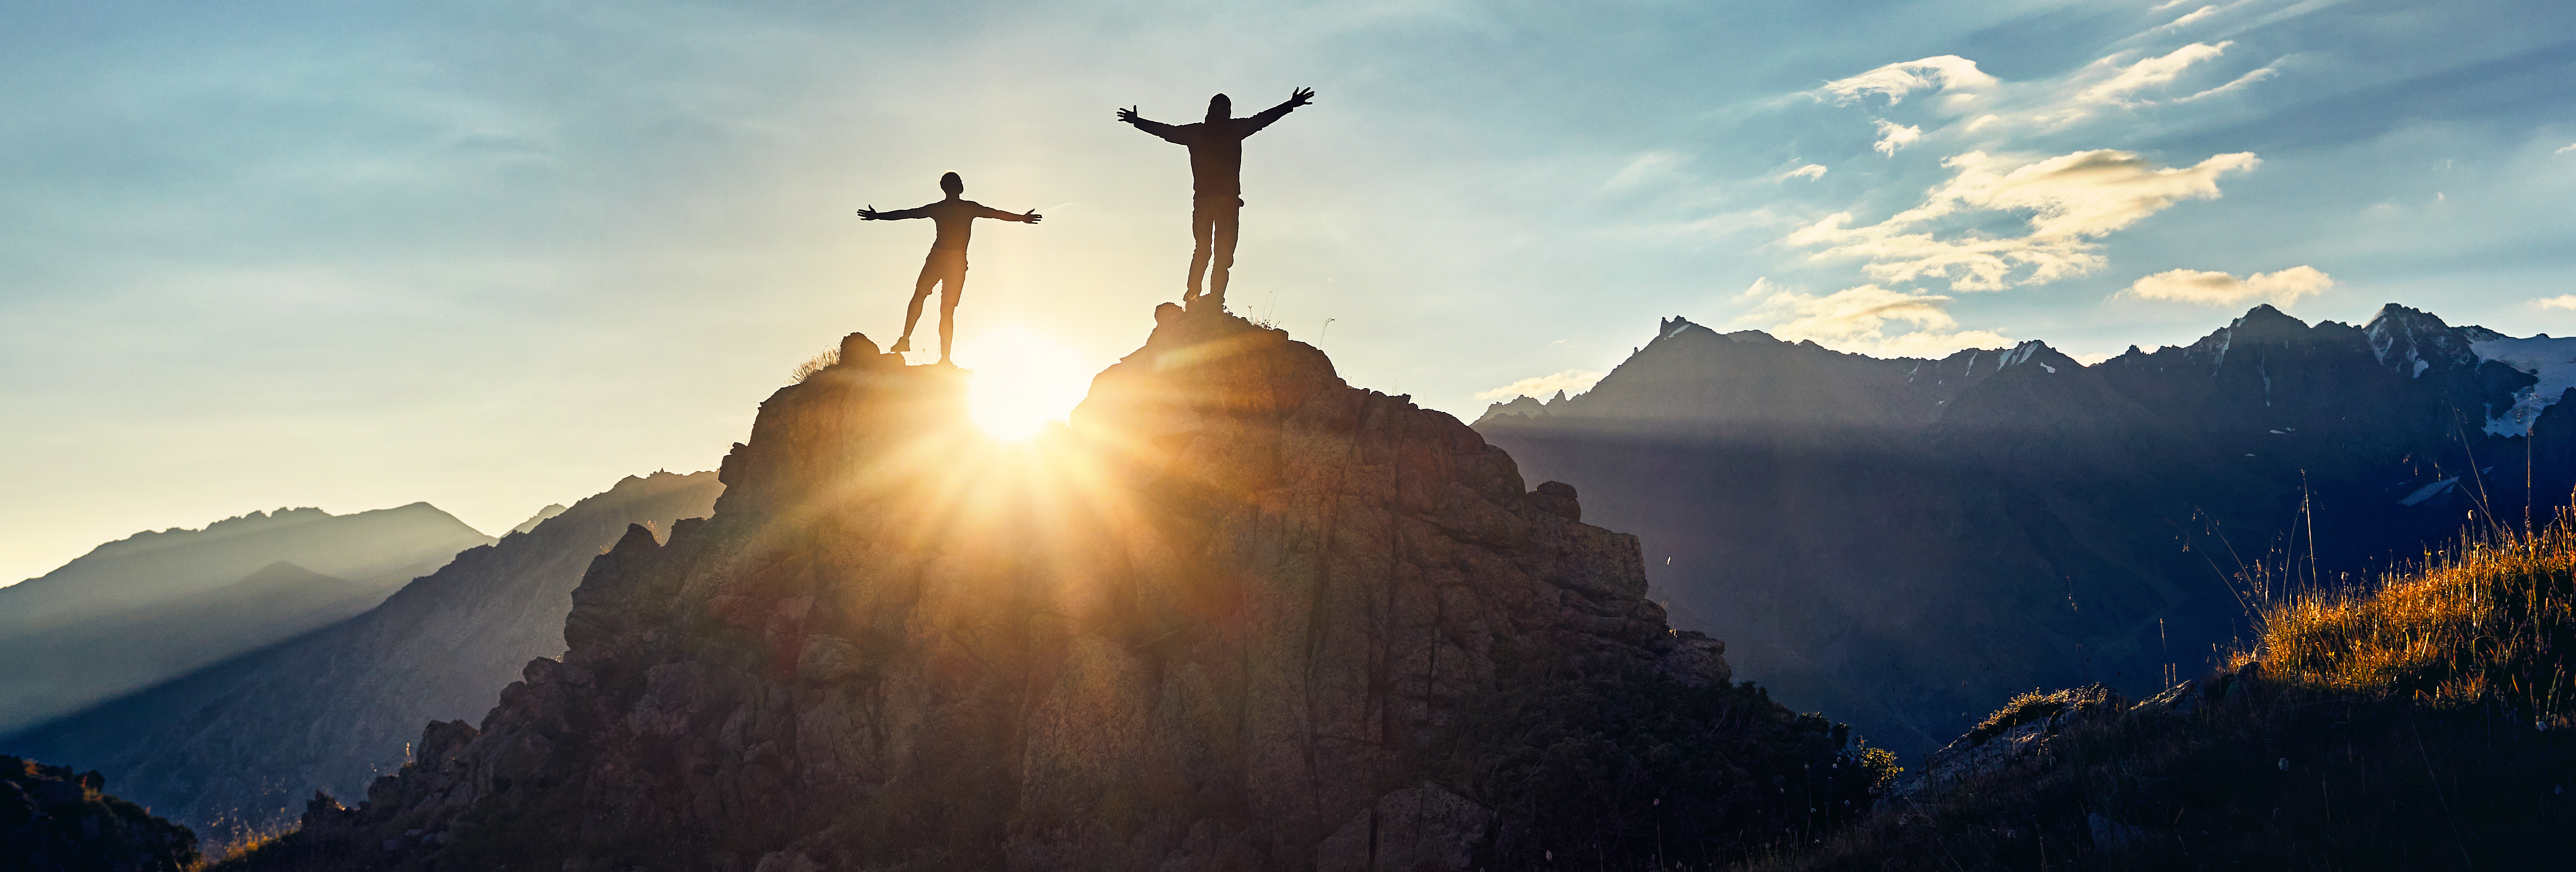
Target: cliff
x: 1239, y: 615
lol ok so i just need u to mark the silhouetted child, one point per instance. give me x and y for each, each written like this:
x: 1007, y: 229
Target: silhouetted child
x: 946, y: 265
x: 1216, y: 173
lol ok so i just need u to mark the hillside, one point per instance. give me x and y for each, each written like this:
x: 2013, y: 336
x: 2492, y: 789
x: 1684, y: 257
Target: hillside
x: 157, y: 604
x: 1238, y: 615
x: 237, y: 746
x: 52, y: 820
x: 2422, y: 724
x: 1900, y: 542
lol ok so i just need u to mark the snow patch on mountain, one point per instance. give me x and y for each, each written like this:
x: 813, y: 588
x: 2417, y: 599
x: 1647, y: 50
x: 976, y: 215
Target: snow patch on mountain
x: 2553, y: 361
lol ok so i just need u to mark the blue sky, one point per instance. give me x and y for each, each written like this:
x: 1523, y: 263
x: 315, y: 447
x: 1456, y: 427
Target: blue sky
x: 495, y: 255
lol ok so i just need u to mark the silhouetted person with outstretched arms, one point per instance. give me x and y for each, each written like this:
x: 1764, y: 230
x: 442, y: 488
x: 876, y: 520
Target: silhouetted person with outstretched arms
x: 955, y: 218
x: 1216, y: 173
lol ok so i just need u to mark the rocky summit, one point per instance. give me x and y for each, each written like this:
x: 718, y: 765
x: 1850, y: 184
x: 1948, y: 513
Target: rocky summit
x: 1238, y: 615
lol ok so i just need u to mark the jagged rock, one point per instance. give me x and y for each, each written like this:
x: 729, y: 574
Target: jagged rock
x: 1240, y: 604
x: 1557, y: 498
x: 2019, y: 733
x: 1423, y: 828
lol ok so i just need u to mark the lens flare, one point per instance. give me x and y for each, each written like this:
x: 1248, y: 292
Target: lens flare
x: 1023, y: 379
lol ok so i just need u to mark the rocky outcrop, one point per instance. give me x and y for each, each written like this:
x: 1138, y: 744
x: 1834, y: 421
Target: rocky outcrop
x: 2020, y: 733
x: 54, y: 821
x: 233, y: 747
x: 1236, y: 616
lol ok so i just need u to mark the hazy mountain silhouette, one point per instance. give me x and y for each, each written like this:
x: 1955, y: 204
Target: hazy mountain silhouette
x: 241, y: 743
x: 551, y: 510
x: 1907, y: 542
x: 156, y: 604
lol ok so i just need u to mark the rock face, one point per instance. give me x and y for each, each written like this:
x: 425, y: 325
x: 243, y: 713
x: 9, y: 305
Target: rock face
x: 231, y: 747
x: 54, y: 821
x: 157, y: 604
x: 2022, y: 731
x: 1231, y: 616
x: 1904, y: 542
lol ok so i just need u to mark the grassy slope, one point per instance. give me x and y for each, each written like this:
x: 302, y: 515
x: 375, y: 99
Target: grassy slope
x: 2426, y: 724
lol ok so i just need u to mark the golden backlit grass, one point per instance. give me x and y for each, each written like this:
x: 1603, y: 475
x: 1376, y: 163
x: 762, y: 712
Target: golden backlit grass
x: 2489, y: 623
x: 2420, y: 722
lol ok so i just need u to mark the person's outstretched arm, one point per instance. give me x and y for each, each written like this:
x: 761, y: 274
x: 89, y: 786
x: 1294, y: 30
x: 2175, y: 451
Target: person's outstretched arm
x: 1168, y: 132
x: 870, y: 213
x: 1299, y: 97
x: 983, y: 211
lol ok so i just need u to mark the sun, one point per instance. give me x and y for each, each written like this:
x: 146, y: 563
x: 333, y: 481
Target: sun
x: 1023, y: 379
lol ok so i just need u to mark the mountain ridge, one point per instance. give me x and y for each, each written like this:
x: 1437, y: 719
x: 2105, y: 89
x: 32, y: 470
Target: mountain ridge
x: 1834, y: 515
x: 231, y: 746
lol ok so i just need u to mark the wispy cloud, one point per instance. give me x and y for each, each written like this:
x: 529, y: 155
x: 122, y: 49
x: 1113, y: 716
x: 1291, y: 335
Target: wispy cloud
x: 1573, y: 381
x: 1815, y: 171
x: 1896, y: 80
x: 2565, y: 301
x: 2193, y: 17
x: 2565, y: 148
x: 2071, y: 200
x: 1860, y: 320
x: 2209, y: 288
x: 2240, y: 83
x: 2149, y: 73
x: 1893, y: 136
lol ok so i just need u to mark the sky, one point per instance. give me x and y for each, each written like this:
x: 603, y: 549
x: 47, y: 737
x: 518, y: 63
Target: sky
x: 497, y: 255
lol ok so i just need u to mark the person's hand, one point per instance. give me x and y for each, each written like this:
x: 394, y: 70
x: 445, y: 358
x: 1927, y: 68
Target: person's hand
x: 1301, y: 97
x: 869, y: 213
x: 1127, y: 115
x: 1032, y: 217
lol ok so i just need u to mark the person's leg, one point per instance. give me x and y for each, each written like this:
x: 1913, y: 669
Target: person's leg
x: 920, y: 291
x: 953, y: 287
x: 1228, y: 215
x: 1202, y: 214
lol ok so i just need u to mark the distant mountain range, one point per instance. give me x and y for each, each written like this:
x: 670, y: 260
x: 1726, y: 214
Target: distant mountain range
x: 1904, y: 543
x: 157, y: 604
x: 239, y: 744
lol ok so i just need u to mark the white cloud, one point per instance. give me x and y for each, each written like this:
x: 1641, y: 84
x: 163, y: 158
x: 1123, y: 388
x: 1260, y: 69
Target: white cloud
x: 2565, y: 148
x: 2221, y: 289
x: 1899, y: 79
x: 1572, y: 381
x: 1893, y: 136
x: 2190, y: 18
x: 2149, y: 73
x: 1810, y: 171
x: 2566, y: 301
x: 2071, y: 200
x: 2239, y: 83
x: 1858, y: 320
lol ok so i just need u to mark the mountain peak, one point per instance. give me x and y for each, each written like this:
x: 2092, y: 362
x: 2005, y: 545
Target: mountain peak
x: 2413, y: 341
x: 1233, y: 573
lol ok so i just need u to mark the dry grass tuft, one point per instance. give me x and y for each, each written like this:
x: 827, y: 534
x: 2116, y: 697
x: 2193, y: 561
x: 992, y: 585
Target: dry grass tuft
x: 818, y: 363
x: 2489, y: 623
x: 2420, y: 723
